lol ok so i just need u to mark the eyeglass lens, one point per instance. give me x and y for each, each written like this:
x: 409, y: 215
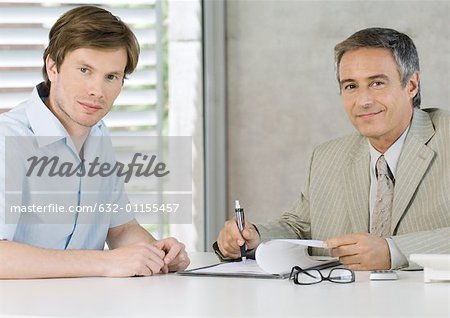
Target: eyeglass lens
x: 336, y: 275
x: 341, y: 275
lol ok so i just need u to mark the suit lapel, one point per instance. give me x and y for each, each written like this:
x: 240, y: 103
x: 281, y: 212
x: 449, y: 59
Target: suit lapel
x: 356, y: 187
x: 413, y: 163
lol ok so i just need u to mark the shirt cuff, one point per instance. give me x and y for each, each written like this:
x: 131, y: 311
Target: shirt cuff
x: 398, y: 260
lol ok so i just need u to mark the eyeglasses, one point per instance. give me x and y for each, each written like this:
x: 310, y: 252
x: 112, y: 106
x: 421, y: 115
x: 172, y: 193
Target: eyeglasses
x: 314, y: 276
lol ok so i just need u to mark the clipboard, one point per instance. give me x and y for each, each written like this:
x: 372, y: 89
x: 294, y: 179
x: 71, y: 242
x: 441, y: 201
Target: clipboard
x: 248, y: 270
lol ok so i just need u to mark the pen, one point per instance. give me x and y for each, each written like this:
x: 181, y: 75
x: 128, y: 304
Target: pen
x: 239, y: 211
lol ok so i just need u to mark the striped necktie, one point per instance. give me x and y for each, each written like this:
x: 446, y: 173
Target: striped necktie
x: 381, y: 215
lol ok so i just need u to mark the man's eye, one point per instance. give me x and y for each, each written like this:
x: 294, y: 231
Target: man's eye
x: 112, y: 77
x: 377, y: 84
x: 83, y: 70
x: 349, y: 87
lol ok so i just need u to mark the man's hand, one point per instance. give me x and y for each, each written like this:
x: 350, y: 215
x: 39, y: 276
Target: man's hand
x: 362, y: 252
x: 176, y: 258
x: 141, y: 259
x: 230, y: 239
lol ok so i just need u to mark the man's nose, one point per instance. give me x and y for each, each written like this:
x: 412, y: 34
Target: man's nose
x: 95, y: 87
x: 364, y: 98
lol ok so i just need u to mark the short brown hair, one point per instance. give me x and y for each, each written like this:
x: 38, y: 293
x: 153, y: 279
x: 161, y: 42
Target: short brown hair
x: 89, y: 27
x: 399, y: 44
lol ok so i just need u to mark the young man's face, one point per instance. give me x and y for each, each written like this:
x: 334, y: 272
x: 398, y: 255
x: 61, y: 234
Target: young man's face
x: 375, y: 100
x: 84, y: 89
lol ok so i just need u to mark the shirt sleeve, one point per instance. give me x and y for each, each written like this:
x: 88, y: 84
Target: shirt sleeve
x: 115, y: 193
x: 398, y: 260
x: 124, y: 212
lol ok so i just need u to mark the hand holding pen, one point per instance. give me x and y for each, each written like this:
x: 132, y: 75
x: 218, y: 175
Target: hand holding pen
x: 231, y: 240
x: 240, y: 220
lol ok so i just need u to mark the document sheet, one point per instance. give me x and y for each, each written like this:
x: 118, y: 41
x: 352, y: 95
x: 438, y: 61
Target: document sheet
x: 274, y: 259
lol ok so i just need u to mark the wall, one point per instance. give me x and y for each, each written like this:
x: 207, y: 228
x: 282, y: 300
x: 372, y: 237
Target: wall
x: 282, y: 96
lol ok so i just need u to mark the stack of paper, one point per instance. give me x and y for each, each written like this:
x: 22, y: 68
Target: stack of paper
x: 274, y: 259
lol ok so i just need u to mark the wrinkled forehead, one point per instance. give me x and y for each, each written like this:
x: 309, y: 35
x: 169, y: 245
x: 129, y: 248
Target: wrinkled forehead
x: 367, y: 62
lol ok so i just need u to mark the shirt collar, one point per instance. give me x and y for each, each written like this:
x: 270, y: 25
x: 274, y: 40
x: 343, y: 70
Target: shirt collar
x: 391, y: 155
x: 44, y: 123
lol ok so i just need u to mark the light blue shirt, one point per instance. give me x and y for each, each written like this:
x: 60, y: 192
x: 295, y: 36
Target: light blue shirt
x: 31, y: 128
x: 391, y: 155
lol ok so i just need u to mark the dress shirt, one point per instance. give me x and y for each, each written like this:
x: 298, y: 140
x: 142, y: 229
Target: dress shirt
x: 32, y: 128
x: 391, y: 155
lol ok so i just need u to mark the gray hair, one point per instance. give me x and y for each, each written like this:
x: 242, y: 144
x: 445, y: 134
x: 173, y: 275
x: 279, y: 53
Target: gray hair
x: 401, y: 46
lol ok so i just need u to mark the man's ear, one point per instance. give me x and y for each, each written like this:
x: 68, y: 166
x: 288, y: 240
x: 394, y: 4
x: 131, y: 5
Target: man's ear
x: 51, y: 68
x: 413, y: 84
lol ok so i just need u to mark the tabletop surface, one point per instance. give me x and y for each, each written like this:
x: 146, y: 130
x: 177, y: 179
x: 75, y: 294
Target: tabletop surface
x: 173, y: 295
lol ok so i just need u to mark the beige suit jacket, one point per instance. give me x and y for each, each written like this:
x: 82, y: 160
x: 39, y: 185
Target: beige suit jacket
x: 335, y: 200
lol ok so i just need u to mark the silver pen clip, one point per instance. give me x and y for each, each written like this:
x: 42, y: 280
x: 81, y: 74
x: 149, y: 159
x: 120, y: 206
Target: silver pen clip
x: 240, y: 220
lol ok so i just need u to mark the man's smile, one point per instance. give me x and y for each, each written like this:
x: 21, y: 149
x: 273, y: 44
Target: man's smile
x: 90, y: 107
x: 369, y: 114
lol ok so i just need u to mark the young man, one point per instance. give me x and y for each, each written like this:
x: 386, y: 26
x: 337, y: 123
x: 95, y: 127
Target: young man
x: 89, y: 54
x: 381, y: 194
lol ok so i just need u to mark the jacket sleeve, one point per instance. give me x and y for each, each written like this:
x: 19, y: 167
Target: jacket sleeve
x: 425, y: 242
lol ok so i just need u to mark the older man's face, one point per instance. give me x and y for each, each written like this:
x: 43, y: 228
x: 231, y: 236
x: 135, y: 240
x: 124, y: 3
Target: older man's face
x: 375, y: 100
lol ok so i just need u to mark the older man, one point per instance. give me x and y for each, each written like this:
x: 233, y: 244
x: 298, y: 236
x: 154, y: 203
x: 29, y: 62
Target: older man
x: 381, y: 194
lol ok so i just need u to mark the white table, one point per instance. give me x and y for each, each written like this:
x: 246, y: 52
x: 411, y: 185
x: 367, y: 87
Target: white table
x: 173, y: 295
